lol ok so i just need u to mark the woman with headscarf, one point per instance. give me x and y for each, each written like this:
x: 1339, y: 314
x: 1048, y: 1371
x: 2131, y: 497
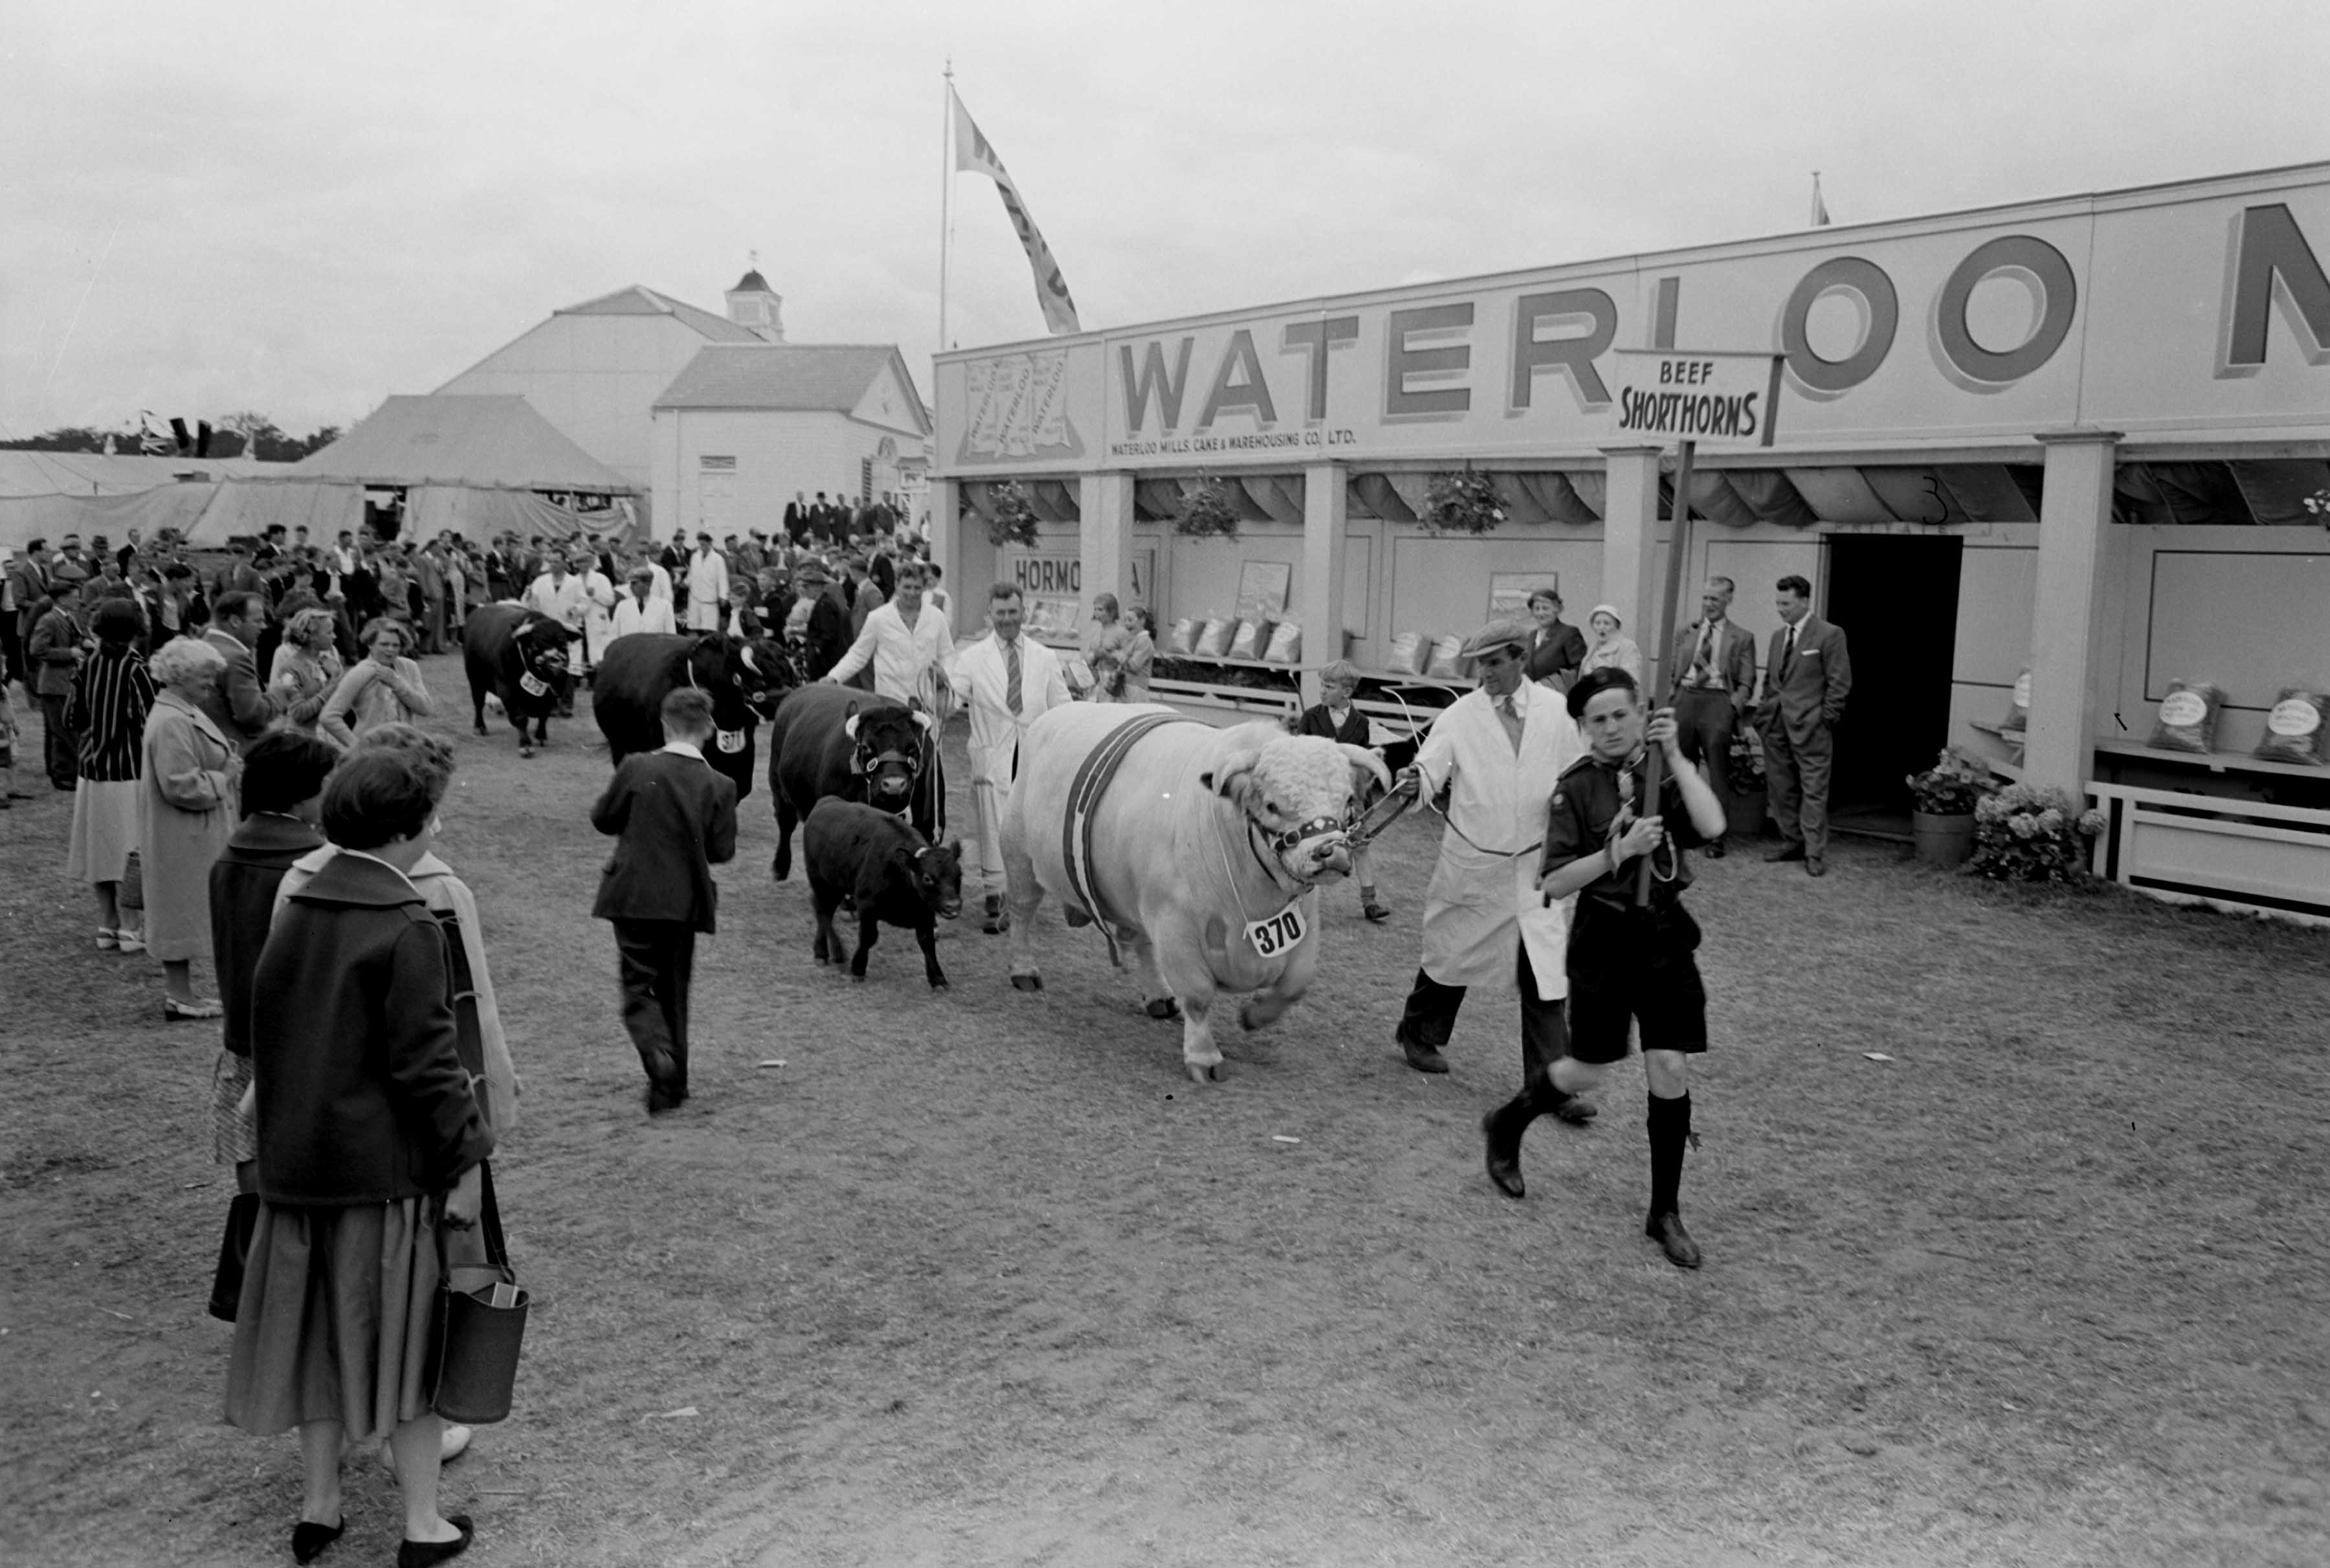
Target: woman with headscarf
x: 1611, y: 650
x: 186, y: 813
x: 111, y: 695
x: 371, y: 1147
x: 307, y: 669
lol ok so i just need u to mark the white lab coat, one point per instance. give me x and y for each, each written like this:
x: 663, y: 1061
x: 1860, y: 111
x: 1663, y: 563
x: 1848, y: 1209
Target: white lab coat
x: 561, y: 601
x: 707, y: 590
x: 1480, y: 900
x: 655, y: 615
x: 979, y: 678
x: 598, y: 614
x: 900, y: 653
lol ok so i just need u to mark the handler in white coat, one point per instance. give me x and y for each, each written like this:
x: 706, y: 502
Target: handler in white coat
x: 1499, y: 750
x: 1009, y: 681
x: 707, y: 586
x: 598, y: 609
x: 642, y: 609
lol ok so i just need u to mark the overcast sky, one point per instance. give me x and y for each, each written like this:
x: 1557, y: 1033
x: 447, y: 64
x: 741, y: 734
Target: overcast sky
x: 303, y: 208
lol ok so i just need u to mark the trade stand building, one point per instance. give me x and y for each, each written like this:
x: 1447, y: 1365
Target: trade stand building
x: 2072, y: 438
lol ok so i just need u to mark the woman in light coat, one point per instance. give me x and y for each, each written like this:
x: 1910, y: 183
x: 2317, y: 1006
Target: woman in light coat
x: 186, y: 813
x: 1611, y: 650
x: 382, y: 688
x: 307, y: 669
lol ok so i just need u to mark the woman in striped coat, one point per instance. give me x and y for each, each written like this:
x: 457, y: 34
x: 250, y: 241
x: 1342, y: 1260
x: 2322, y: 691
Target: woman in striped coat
x: 111, y: 695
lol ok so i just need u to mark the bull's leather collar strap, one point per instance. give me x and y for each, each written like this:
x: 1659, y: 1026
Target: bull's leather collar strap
x: 1092, y: 779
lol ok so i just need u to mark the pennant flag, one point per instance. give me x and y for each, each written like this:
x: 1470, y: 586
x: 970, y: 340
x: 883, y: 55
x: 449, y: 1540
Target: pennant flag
x: 1820, y: 208
x: 971, y: 151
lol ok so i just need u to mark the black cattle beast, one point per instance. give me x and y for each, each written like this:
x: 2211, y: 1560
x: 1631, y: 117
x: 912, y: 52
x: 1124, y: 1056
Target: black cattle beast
x: 520, y: 657
x: 896, y: 876
x: 743, y: 677
x: 837, y: 741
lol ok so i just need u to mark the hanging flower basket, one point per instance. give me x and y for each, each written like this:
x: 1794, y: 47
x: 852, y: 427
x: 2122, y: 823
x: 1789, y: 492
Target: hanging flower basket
x: 1207, y: 513
x: 2318, y: 505
x: 1462, y: 503
x: 1010, y: 519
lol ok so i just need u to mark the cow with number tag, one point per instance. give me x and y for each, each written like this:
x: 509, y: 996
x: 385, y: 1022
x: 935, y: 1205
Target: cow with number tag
x: 1198, y: 850
x: 743, y: 677
x: 519, y: 657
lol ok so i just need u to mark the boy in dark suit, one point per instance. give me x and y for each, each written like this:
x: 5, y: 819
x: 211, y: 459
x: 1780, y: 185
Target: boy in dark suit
x: 673, y: 819
x: 1335, y: 719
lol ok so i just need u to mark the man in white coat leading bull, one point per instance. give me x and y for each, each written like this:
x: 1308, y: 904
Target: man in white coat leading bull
x: 1009, y: 682
x: 1498, y: 750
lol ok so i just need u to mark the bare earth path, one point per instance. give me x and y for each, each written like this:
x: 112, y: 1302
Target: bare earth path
x: 977, y: 1277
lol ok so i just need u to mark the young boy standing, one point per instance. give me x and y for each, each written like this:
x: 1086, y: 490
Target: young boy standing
x: 1627, y: 964
x: 673, y: 817
x: 1335, y: 719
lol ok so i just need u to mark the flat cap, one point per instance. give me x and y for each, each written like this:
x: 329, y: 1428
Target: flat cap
x: 1506, y: 633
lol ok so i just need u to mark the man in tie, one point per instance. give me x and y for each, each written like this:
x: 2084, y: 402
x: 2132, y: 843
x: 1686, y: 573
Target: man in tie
x: 1806, y: 680
x: 1498, y: 750
x: 1008, y: 681
x: 1717, y: 662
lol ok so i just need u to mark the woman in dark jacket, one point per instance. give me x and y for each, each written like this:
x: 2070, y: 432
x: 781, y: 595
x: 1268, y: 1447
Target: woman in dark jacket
x: 284, y: 777
x: 111, y: 695
x: 369, y: 1141
x: 1556, y: 647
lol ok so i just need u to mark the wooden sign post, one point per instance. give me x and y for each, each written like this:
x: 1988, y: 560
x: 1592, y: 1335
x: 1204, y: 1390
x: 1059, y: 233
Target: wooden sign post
x: 1729, y: 400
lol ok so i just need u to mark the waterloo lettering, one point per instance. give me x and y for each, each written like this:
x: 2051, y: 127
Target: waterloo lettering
x: 1894, y: 320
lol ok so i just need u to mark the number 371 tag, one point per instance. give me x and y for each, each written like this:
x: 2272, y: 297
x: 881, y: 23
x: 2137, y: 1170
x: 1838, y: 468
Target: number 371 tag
x: 1279, y: 932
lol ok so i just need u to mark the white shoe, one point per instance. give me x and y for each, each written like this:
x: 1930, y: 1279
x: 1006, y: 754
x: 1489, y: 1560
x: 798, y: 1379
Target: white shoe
x: 129, y: 941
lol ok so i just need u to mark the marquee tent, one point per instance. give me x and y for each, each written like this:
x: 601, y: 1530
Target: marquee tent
x: 491, y: 442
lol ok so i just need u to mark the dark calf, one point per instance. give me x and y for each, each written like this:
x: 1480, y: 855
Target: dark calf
x: 893, y: 874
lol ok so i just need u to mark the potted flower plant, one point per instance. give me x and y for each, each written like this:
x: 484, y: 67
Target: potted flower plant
x: 1944, y: 796
x: 1745, y: 811
x: 1011, y: 520
x: 1207, y: 513
x: 1462, y: 503
x: 2026, y: 834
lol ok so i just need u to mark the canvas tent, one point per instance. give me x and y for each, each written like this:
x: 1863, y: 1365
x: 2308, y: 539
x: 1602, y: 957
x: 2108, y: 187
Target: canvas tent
x: 476, y: 465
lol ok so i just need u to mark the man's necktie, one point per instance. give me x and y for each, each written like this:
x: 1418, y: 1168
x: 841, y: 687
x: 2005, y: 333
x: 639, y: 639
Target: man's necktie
x: 1011, y: 676
x: 1701, y: 675
x: 1509, y: 716
x: 1788, y: 659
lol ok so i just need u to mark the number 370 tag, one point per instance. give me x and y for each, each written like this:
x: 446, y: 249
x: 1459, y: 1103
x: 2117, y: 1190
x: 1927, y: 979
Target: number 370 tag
x: 1276, y: 934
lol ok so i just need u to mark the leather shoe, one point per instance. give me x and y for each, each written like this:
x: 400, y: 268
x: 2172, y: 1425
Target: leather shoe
x: 1423, y: 1058
x: 308, y: 1538
x: 1816, y: 865
x: 426, y: 1553
x: 1573, y: 1109
x: 1715, y: 850
x: 1791, y: 850
x: 1667, y: 1230
x: 1503, y: 1154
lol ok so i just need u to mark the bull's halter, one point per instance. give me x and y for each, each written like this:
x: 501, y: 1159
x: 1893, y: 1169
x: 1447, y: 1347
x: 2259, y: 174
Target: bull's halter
x: 1258, y: 840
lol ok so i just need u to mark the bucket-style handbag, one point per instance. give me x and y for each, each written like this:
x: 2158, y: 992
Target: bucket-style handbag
x: 479, y: 1323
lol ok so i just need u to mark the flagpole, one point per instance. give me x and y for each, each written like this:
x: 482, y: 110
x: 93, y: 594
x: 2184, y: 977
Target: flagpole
x: 946, y: 198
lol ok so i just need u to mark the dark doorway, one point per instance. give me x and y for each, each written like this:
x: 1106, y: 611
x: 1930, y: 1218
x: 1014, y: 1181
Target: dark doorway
x: 1896, y: 597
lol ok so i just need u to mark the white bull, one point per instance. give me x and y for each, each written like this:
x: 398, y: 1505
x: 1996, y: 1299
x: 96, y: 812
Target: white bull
x: 1205, y: 848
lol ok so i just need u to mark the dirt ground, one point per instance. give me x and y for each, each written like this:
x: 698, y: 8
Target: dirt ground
x: 978, y: 1277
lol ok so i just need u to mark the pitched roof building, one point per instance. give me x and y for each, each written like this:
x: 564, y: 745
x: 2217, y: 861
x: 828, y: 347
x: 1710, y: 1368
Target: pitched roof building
x: 594, y: 369
x: 743, y: 427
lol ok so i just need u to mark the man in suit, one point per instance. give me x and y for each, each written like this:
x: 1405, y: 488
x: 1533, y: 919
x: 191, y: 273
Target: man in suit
x: 672, y: 819
x: 240, y: 704
x: 829, y: 631
x: 797, y: 520
x: 28, y: 584
x: 1806, y: 679
x: 1714, y: 663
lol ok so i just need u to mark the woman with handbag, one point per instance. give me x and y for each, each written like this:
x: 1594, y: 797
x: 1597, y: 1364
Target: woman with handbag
x: 111, y: 695
x: 371, y: 1147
